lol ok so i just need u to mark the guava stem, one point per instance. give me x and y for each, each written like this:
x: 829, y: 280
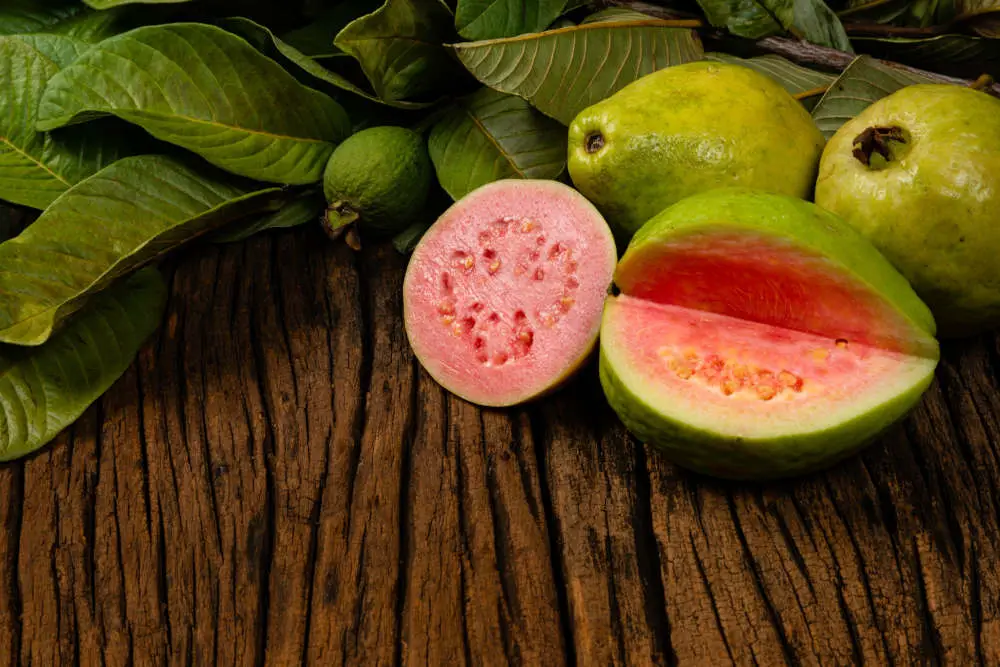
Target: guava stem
x: 812, y: 92
x: 982, y: 83
x: 876, y: 140
x: 337, y: 218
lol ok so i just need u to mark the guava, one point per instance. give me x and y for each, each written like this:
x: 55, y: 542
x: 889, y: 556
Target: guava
x: 378, y: 179
x: 758, y: 336
x: 918, y: 173
x: 503, y: 295
x: 686, y: 129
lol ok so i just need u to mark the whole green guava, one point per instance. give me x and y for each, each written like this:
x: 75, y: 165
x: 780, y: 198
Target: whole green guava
x: 687, y: 129
x: 918, y: 173
x: 378, y: 178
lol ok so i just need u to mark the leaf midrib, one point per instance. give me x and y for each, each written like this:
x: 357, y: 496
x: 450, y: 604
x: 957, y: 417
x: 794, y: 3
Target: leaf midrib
x: 84, y: 290
x: 500, y: 149
x: 532, y: 36
x: 64, y: 120
x: 41, y: 165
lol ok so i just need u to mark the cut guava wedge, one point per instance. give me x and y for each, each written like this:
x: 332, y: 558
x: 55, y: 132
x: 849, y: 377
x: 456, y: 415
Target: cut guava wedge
x: 757, y: 336
x: 503, y: 296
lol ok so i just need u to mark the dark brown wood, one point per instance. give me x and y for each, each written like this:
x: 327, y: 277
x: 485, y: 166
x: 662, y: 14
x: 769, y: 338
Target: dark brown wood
x: 277, y: 482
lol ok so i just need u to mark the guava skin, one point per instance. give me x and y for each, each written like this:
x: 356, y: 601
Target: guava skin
x: 731, y: 457
x: 380, y: 177
x: 687, y: 129
x: 933, y: 207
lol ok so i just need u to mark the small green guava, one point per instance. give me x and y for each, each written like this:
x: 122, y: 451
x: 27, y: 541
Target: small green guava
x: 686, y: 129
x: 918, y: 173
x: 378, y: 178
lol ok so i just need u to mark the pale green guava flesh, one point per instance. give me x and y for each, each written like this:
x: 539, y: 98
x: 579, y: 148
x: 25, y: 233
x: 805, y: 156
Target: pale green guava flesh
x: 932, y: 207
x: 687, y: 129
x: 758, y: 336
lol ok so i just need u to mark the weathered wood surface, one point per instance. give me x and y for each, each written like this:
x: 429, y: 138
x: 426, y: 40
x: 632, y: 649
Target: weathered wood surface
x: 276, y: 482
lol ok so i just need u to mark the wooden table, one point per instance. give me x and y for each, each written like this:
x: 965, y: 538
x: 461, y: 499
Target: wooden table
x: 276, y: 482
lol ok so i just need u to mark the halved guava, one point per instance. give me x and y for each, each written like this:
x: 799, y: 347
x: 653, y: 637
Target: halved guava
x: 503, y: 295
x: 758, y: 336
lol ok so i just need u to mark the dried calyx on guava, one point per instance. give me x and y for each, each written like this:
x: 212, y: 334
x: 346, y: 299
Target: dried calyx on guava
x: 376, y: 182
x: 758, y: 336
x: 503, y: 295
x: 918, y: 173
x: 688, y: 129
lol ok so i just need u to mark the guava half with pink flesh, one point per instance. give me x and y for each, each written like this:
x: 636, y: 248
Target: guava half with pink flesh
x: 758, y: 336
x: 503, y: 295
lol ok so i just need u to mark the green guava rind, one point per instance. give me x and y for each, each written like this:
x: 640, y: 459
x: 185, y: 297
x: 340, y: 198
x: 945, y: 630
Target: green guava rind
x: 687, y: 129
x: 809, y: 226
x: 383, y: 174
x: 933, y: 210
x: 812, y: 229
x: 726, y: 456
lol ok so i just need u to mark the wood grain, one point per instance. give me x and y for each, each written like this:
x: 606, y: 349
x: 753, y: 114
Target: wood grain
x: 277, y: 482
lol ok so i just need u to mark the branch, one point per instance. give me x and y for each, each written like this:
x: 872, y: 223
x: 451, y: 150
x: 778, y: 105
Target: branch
x: 798, y: 51
x: 808, y: 54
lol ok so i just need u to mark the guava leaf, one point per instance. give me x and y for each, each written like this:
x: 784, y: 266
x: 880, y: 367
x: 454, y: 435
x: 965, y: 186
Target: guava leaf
x: 561, y: 72
x: 316, y: 39
x: 963, y: 56
x: 108, y: 4
x: 35, y: 168
x: 796, y: 79
x: 865, y: 81
x: 300, y: 211
x: 489, y: 136
x: 874, y: 11
x: 93, y: 26
x: 400, y: 48
x: 26, y: 16
x: 811, y: 20
x: 490, y: 19
x: 295, y: 60
x: 166, y: 79
x: 123, y: 217
x: 45, y: 389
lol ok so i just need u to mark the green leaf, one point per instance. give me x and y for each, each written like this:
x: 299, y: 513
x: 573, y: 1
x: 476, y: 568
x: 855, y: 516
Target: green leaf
x: 294, y: 60
x: 93, y: 27
x: 865, y: 81
x: 300, y: 211
x: 45, y: 389
x: 489, y: 19
x: 405, y: 241
x: 811, y: 20
x: 489, y: 136
x: 124, y: 216
x: 166, y: 79
x: 316, y: 39
x: 796, y: 79
x: 108, y: 4
x: 561, y: 72
x: 744, y: 18
x: 400, y: 48
x: 36, y: 168
x: 26, y: 16
x: 958, y: 55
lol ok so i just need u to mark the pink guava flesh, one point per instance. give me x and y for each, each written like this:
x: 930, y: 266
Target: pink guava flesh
x: 758, y: 374
x: 767, y: 280
x: 503, y: 295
